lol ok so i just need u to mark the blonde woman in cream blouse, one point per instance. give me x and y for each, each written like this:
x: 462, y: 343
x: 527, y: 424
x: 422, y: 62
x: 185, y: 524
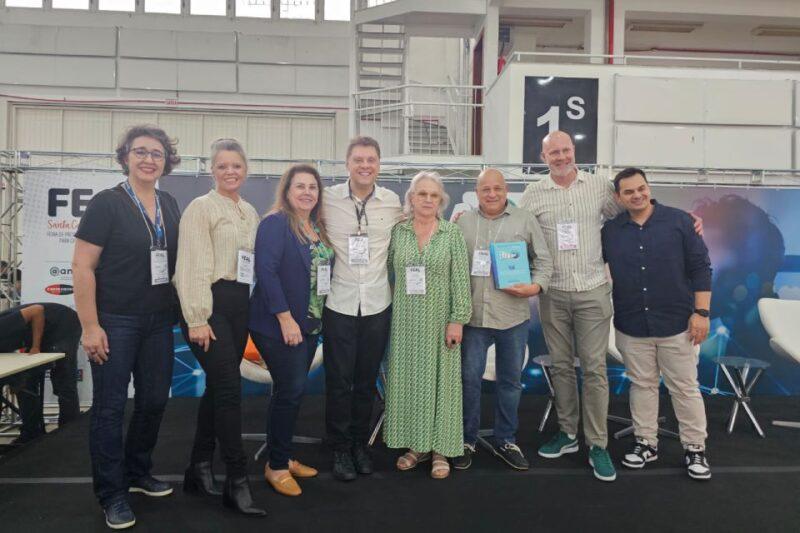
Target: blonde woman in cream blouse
x: 213, y: 277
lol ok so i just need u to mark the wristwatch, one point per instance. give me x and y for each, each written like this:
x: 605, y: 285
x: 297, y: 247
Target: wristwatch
x: 702, y: 312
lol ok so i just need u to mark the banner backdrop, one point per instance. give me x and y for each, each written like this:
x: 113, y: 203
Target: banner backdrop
x: 753, y: 236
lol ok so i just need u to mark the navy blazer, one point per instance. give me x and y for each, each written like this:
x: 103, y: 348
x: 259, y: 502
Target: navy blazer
x: 283, y: 277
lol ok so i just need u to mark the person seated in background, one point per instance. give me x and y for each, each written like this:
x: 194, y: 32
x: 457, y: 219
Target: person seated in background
x: 35, y: 328
x: 499, y: 316
x: 661, y: 276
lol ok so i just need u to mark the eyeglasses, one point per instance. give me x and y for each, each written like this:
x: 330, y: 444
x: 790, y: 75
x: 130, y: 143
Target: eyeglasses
x: 142, y: 153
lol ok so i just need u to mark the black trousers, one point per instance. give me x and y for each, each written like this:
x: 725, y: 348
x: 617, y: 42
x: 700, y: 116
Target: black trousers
x: 61, y: 338
x: 354, y: 347
x: 219, y: 416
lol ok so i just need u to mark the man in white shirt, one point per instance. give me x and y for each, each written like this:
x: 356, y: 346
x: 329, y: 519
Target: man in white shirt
x: 358, y: 216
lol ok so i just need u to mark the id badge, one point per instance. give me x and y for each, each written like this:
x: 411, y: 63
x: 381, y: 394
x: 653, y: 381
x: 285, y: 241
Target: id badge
x: 245, y: 267
x: 481, y: 263
x: 358, y: 249
x: 567, y: 236
x: 415, y: 279
x: 159, y: 267
x: 323, y: 279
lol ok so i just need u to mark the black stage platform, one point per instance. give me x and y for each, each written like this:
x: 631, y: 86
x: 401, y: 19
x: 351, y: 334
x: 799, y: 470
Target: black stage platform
x: 756, y: 485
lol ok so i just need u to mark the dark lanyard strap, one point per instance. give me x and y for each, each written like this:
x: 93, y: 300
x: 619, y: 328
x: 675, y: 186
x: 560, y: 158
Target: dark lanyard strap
x: 158, y: 225
x: 362, y: 213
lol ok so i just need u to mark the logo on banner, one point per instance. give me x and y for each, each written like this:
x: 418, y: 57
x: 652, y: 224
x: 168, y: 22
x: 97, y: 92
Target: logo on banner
x: 560, y: 104
x: 59, y: 289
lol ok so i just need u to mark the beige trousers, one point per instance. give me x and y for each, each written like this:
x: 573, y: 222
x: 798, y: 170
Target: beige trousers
x: 674, y: 358
x: 578, y: 324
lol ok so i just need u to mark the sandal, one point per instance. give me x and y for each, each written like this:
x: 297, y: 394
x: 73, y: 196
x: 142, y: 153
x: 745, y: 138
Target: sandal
x: 440, y: 468
x: 411, y: 459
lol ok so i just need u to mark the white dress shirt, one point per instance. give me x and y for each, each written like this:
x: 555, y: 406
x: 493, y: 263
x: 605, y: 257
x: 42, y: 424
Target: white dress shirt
x: 360, y: 287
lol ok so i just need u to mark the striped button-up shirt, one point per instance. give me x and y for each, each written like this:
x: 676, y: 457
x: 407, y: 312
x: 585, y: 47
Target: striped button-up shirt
x: 587, y: 202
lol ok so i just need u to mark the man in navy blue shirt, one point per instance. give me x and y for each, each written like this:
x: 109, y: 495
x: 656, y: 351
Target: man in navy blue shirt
x: 661, y: 276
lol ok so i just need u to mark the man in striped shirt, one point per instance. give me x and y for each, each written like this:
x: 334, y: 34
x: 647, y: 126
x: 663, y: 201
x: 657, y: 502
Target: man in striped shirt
x: 571, y: 206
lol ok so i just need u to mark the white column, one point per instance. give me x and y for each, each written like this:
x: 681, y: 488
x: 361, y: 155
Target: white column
x: 594, y: 31
x: 619, y: 30
x: 491, y: 39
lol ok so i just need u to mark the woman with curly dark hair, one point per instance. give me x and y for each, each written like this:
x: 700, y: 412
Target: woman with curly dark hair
x: 125, y: 251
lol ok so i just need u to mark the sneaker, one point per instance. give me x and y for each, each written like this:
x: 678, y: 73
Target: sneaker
x: 462, y: 462
x: 119, y: 514
x: 641, y: 454
x: 343, y: 467
x: 361, y: 459
x: 558, y: 446
x: 696, y: 463
x: 512, y: 455
x: 601, y: 463
x: 150, y: 486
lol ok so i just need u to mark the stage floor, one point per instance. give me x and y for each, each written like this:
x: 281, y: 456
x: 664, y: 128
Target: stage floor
x: 46, y: 486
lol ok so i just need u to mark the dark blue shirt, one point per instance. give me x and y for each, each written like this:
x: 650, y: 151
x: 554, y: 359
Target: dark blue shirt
x: 656, y: 269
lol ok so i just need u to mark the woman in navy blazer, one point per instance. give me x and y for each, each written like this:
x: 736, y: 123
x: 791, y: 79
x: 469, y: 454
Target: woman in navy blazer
x: 293, y: 269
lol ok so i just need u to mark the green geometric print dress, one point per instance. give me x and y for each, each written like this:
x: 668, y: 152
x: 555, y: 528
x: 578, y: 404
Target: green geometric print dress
x: 423, y: 391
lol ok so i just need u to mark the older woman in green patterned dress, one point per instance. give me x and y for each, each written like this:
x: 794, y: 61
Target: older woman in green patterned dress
x: 431, y: 302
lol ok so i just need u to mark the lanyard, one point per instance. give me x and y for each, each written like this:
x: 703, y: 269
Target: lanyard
x: 363, y: 212
x: 161, y: 231
x: 478, y: 230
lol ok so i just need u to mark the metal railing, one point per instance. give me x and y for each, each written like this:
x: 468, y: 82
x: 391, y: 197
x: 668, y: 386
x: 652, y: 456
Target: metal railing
x: 739, y: 63
x: 416, y: 119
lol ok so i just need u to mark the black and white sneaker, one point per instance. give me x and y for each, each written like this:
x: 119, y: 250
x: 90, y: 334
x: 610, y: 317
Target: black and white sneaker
x: 641, y: 454
x: 462, y: 462
x: 150, y: 486
x: 511, y: 455
x: 696, y: 463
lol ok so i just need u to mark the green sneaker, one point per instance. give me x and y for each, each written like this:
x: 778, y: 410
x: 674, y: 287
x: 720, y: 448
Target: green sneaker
x: 601, y: 463
x: 558, y: 446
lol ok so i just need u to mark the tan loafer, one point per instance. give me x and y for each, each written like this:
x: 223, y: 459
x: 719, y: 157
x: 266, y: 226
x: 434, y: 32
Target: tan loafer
x: 299, y: 470
x: 282, y: 483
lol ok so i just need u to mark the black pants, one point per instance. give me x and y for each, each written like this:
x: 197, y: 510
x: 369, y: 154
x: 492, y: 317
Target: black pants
x: 289, y: 367
x: 220, y: 412
x: 354, y: 347
x: 63, y: 338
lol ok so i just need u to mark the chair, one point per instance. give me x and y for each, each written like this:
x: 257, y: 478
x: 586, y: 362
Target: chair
x: 490, y: 374
x: 780, y: 319
x: 614, y: 352
x: 546, y: 362
x: 253, y: 368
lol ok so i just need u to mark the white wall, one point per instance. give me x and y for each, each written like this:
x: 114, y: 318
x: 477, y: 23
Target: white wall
x: 510, y: 86
x: 174, y: 62
x: 431, y: 60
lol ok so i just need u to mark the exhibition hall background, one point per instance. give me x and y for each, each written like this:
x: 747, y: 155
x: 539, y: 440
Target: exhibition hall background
x: 753, y: 235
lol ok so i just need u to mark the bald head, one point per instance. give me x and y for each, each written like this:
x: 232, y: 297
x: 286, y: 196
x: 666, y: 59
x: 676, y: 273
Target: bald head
x: 558, y: 152
x: 492, y: 192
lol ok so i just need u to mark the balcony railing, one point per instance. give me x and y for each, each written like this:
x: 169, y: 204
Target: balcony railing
x: 418, y: 119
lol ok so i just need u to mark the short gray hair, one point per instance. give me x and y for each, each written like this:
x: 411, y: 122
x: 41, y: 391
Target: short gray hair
x: 408, y: 209
x: 227, y: 145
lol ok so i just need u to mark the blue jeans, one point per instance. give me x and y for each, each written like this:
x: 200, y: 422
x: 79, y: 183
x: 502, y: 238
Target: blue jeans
x: 141, y: 345
x: 509, y: 355
x: 289, y: 367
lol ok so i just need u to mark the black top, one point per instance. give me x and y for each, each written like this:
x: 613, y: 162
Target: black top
x: 656, y: 269
x: 15, y: 333
x: 113, y: 221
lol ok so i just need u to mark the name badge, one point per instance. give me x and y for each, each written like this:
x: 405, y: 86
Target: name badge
x: 159, y: 267
x: 567, y: 236
x: 358, y: 249
x: 323, y: 279
x: 245, y: 267
x: 415, y: 280
x: 481, y: 263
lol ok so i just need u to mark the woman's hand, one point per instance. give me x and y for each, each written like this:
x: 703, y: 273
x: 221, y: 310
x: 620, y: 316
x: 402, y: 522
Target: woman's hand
x: 95, y: 344
x: 202, y: 336
x: 292, y: 336
x: 452, y: 334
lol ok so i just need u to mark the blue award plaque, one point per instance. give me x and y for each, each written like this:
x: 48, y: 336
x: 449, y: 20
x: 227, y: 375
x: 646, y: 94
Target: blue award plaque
x: 509, y: 264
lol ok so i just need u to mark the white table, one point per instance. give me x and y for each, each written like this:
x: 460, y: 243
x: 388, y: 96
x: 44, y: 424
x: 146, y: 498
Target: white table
x: 13, y: 363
